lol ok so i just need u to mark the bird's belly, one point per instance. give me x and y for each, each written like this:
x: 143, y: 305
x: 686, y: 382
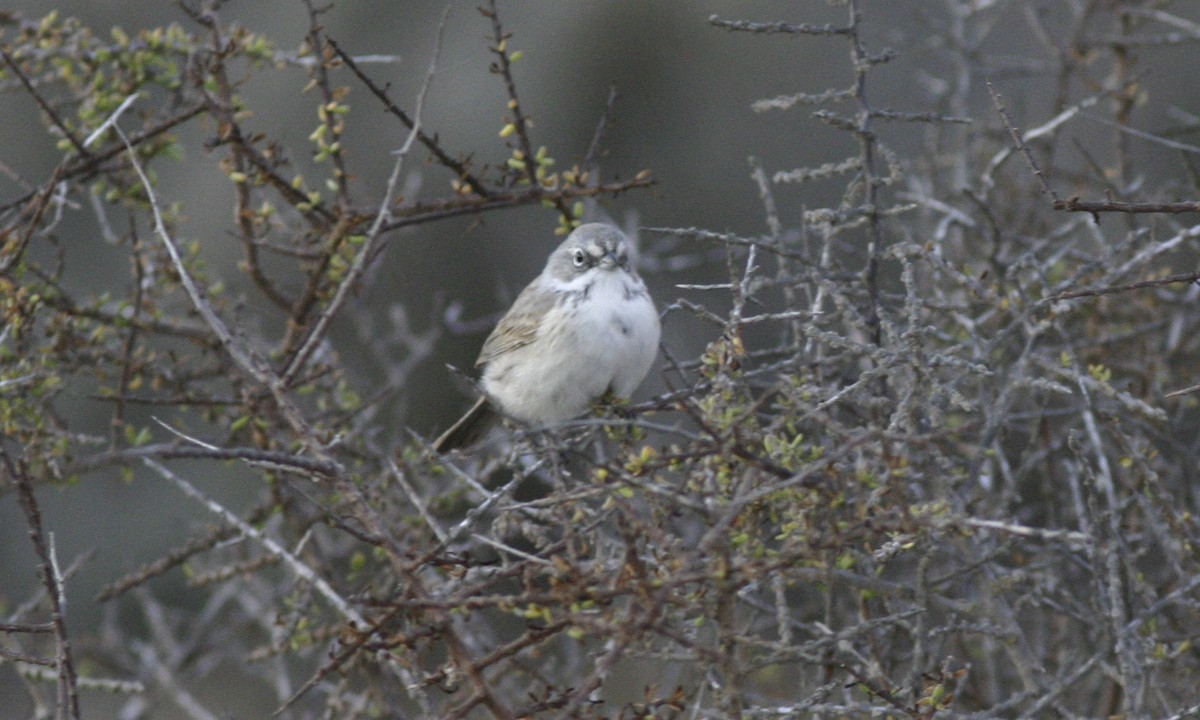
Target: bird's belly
x: 605, y: 341
x: 619, y: 344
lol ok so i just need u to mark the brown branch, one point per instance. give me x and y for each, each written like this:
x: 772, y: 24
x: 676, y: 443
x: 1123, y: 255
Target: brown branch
x: 593, y: 152
x: 458, y: 168
x: 85, y: 168
x: 366, y: 254
x: 504, y: 69
x: 14, y: 249
x: 221, y: 105
x: 1184, y: 391
x: 23, y: 658
x: 352, y: 642
x: 287, y: 462
x: 43, y: 104
x: 442, y: 209
x: 179, y: 556
x: 131, y: 338
x: 863, y: 129
x: 1076, y: 205
x: 927, y: 117
x: 520, y: 121
x: 318, y: 215
x: 1019, y: 143
x: 1141, y: 285
x: 320, y: 73
x: 772, y: 28
x: 68, y: 691
x: 65, y: 304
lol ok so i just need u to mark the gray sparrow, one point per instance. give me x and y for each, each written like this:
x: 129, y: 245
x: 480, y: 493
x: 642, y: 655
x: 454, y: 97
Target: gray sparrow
x: 583, y: 328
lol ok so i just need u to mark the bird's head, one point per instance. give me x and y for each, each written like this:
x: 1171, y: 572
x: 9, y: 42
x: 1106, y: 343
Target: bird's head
x: 590, y: 247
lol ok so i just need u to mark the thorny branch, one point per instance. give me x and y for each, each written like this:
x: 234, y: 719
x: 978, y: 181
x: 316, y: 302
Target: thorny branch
x: 918, y: 456
x: 52, y: 579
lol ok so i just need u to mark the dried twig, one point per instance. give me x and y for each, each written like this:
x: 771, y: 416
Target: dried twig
x: 460, y: 169
x: 43, y: 546
x: 368, y: 250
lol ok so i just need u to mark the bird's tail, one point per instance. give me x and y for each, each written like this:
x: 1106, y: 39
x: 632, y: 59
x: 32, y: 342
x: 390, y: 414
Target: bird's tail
x: 469, y: 429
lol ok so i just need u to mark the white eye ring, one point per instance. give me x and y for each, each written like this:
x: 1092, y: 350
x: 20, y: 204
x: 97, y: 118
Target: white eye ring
x: 580, y: 258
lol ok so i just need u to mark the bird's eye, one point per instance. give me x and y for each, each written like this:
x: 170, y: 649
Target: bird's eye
x: 579, y: 257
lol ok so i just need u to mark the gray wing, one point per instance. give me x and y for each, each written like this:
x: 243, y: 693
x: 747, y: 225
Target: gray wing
x: 519, y: 326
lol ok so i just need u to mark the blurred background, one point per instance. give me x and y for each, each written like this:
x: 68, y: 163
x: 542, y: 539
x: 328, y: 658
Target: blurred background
x: 683, y: 112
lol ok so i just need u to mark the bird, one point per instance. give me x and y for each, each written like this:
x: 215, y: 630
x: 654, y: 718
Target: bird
x: 583, y: 328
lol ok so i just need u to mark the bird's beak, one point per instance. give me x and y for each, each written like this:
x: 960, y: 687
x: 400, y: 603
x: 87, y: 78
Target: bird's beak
x: 610, y: 260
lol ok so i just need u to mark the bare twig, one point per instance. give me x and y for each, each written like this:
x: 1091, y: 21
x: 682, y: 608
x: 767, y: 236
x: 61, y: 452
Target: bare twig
x: 771, y: 28
x: 596, y: 146
x: 460, y: 169
x: 301, y: 569
x: 1127, y: 287
x: 1074, y: 204
x: 68, y: 689
x: 368, y: 250
x: 503, y: 67
x: 1019, y: 143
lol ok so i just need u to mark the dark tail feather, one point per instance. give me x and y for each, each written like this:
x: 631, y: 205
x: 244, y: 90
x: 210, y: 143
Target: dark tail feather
x: 469, y: 429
